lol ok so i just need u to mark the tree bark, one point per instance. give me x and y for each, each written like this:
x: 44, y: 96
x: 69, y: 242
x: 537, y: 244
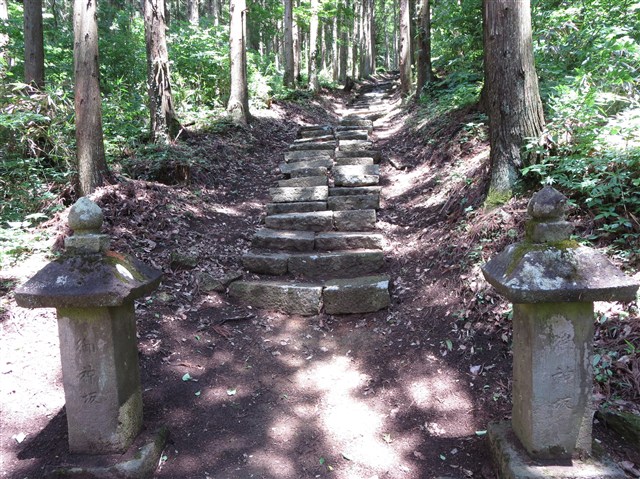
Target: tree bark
x: 92, y: 165
x: 314, y: 84
x: 344, y: 49
x: 164, y: 123
x: 33, y: 44
x: 194, y: 12
x: 238, y: 106
x: 405, y: 48
x: 369, y: 38
x: 295, y: 30
x: 425, y: 70
x: 289, y: 74
x: 4, y: 38
x: 514, y: 106
x: 335, y: 53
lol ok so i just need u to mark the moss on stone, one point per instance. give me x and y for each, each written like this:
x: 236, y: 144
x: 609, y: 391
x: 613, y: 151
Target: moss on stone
x: 521, y: 249
x: 497, y: 198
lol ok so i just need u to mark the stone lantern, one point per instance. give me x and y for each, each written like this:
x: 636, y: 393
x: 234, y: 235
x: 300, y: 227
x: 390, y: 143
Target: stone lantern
x: 552, y: 282
x: 93, y: 289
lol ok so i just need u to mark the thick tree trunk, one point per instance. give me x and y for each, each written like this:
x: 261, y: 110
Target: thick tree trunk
x: 4, y: 38
x: 238, y: 106
x: 356, y: 40
x: 344, y: 48
x: 194, y: 12
x: 33, y: 44
x: 92, y: 166
x: 513, y: 100
x: 335, y: 53
x: 289, y: 73
x: 314, y: 84
x: 425, y: 70
x: 164, y: 124
x: 405, y: 48
x: 296, y: 49
x: 369, y: 38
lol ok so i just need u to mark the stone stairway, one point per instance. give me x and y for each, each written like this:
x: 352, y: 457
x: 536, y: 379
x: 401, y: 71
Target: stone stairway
x: 319, y: 249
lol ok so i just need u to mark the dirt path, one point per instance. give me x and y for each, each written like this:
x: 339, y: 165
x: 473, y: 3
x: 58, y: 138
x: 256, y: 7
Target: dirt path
x: 402, y: 393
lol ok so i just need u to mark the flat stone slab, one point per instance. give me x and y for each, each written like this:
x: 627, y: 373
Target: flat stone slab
x: 354, y: 145
x: 290, y: 194
x: 314, y: 145
x: 356, y: 175
x: 288, y: 297
x: 336, y: 264
x: 354, y: 220
x: 284, y: 240
x: 375, y: 154
x: 355, y: 190
x: 357, y: 122
x: 356, y: 160
x: 339, y: 240
x: 317, y: 138
x: 309, y: 131
x: 290, y: 156
x: 296, y: 207
x: 266, y: 263
x: 356, y: 295
x: 312, y: 221
x: 311, y: 171
x: 340, y: 128
x: 304, y: 181
x: 512, y: 461
x: 352, y: 135
x: 288, y: 168
x: 353, y: 202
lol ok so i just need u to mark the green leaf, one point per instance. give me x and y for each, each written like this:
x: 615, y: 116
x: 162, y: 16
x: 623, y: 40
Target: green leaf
x: 187, y: 377
x: 197, y: 393
x: 443, y: 457
x: 322, y: 461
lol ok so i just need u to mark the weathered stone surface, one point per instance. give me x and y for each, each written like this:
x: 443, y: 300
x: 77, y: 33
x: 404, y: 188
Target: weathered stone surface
x: 356, y: 160
x: 183, y: 260
x: 296, y: 207
x: 340, y: 128
x: 337, y: 264
x: 304, y: 172
x: 314, y: 145
x: 287, y: 240
x: 356, y: 295
x: 341, y: 240
x: 289, y: 194
x: 354, y: 145
x: 287, y: 168
x: 513, y: 463
x: 357, y: 122
x: 294, y: 298
x: 314, y: 130
x: 356, y: 175
x: 375, y: 154
x: 352, y: 135
x: 266, y: 263
x: 304, y: 181
x: 315, y: 138
x: 535, y: 273
x: 356, y: 190
x: 625, y: 424
x: 353, y: 202
x: 292, y: 156
x: 354, y: 220
x: 208, y: 282
x: 312, y: 221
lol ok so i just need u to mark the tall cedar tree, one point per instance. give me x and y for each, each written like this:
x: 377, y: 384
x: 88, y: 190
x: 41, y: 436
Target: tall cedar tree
x: 164, y: 123
x: 425, y: 69
x: 4, y: 38
x: 238, y: 106
x: 405, y: 48
x: 512, y: 97
x: 194, y: 12
x: 33, y: 43
x: 289, y: 77
x: 314, y: 84
x: 92, y: 166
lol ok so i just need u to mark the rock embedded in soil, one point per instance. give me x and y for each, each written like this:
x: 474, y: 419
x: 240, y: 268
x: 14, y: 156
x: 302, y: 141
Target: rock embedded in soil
x: 294, y: 298
x: 356, y: 295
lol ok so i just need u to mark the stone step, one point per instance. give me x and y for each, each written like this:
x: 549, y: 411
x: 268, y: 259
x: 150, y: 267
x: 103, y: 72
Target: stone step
x: 354, y: 145
x: 300, y: 141
x: 353, y: 128
x: 291, y: 156
x: 356, y: 160
x: 312, y: 221
x: 314, y: 129
x: 296, y: 207
x: 314, y: 145
x: 337, y: 264
x: 356, y: 190
x: 291, y: 193
x: 356, y: 175
x: 352, y: 135
x: 274, y: 264
x: 349, y: 121
x: 287, y: 168
x: 353, y: 202
x: 288, y: 297
x: 356, y: 295
x: 375, y: 154
x: 311, y: 171
x: 304, y: 181
x: 355, y: 220
x: 337, y: 241
x: 284, y: 240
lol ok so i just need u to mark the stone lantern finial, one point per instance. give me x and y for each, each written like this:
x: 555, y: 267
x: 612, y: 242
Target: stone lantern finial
x: 548, y: 210
x: 85, y: 219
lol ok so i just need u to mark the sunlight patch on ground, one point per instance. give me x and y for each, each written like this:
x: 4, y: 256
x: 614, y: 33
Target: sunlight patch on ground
x: 272, y: 464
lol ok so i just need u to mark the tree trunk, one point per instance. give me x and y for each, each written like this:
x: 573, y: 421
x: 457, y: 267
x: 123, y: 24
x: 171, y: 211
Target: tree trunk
x: 164, y: 124
x: 238, y: 106
x: 314, y: 84
x: 194, y: 13
x: 4, y: 38
x: 405, y: 48
x: 355, y: 40
x: 289, y: 73
x: 425, y: 70
x: 396, y: 36
x: 369, y: 38
x: 513, y: 100
x: 344, y: 49
x: 33, y: 44
x: 335, y: 53
x: 92, y: 166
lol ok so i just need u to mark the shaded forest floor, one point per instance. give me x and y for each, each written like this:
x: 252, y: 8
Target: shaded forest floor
x: 403, y: 393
